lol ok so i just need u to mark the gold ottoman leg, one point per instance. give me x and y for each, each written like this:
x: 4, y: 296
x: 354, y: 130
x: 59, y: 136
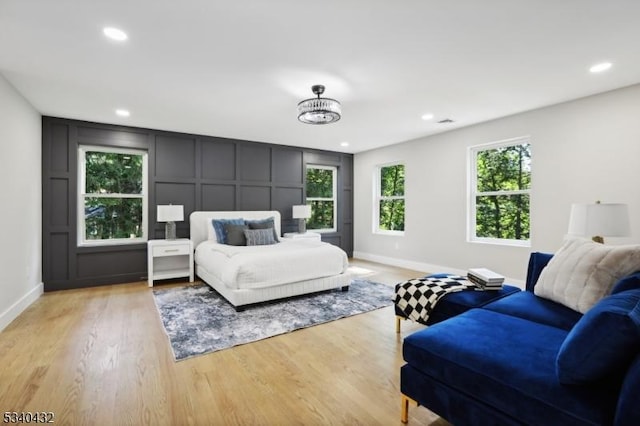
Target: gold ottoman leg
x: 404, y: 410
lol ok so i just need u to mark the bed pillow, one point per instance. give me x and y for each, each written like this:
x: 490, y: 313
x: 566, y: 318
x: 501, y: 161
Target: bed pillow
x: 218, y: 227
x: 582, y: 272
x: 235, y: 234
x: 603, y: 342
x: 263, y: 224
x: 259, y: 237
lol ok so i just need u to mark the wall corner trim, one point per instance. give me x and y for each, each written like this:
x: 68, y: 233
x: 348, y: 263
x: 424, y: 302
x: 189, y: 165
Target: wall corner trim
x: 422, y: 267
x: 20, y: 306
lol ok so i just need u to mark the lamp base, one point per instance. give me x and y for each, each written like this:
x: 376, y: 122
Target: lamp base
x: 302, y: 226
x: 170, y: 231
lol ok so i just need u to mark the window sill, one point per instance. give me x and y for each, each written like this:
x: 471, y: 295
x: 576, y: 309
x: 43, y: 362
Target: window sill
x: 389, y: 233
x: 112, y: 243
x: 499, y: 242
x: 322, y: 231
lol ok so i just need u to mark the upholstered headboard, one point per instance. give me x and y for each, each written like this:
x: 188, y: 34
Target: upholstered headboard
x: 200, y: 221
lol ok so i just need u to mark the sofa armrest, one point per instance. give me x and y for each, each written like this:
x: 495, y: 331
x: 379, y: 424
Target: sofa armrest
x: 537, y: 262
x: 627, y: 283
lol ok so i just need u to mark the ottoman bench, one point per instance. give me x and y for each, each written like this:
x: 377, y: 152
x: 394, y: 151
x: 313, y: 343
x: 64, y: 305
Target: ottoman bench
x: 453, y: 304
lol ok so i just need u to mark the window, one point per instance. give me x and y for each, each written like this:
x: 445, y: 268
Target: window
x: 500, y: 192
x: 322, y: 196
x: 389, y: 200
x: 112, y: 196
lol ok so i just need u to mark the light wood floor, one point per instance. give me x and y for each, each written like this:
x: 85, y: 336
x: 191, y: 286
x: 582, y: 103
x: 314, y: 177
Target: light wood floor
x: 100, y: 356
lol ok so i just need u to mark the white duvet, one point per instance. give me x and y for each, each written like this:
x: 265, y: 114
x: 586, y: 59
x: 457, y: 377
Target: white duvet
x: 241, y: 267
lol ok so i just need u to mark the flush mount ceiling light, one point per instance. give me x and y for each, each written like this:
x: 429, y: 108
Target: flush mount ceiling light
x: 427, y: 117
x: 600, y: 67
x: 115, y: 34
x: 123, y: 113
x: 319, y: 110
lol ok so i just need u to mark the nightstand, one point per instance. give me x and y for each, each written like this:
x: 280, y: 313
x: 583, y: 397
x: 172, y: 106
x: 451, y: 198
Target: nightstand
x: 306, y: 235
x: 169, y: 259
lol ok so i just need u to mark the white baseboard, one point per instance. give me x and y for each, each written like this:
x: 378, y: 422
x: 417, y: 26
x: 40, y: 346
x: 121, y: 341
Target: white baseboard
x: 17, y: 308
x: 422, y: 267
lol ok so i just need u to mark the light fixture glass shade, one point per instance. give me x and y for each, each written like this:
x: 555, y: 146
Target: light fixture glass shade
x: 599, y: 219
x: 301, y: 212
x: 170, y: 213
x: 319, y: 110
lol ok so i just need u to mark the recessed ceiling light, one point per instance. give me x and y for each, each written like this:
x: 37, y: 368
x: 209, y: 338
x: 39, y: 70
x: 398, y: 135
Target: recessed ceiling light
x: 427, y: 117
x: 115, y: 34
x: 344, y: 144
x: 601, y: 67
x: 123, y: 112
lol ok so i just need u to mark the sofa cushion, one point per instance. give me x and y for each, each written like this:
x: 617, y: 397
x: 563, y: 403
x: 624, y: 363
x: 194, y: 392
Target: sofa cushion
x: 507, y: 363
x: 528, y: 306
x: 603, y: 342
x: 583, y: 272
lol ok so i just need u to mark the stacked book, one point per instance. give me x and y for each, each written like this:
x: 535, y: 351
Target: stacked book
x: 485, y: 279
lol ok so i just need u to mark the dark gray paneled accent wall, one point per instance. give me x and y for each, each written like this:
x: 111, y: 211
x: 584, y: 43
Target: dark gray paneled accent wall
x: 199, y: 172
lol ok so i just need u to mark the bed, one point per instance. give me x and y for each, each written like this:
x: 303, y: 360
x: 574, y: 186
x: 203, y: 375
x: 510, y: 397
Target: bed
x: 249, y: 275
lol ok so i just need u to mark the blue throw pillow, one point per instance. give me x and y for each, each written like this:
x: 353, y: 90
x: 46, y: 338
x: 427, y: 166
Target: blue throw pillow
x: 603, y: 342
x: 218, y: 227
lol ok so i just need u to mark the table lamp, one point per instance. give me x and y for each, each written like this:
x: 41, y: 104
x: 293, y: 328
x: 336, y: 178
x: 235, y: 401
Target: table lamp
x: 302, y: 213
x: 170, y: 214
x: 599, y: 220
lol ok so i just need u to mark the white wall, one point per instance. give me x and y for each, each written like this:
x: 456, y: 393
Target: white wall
x: 21, y: 208
x: 582, y: 151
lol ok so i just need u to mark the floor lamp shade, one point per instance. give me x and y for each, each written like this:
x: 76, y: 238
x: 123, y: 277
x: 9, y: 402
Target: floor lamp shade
x: 599, y: 220
x: 170, y: 214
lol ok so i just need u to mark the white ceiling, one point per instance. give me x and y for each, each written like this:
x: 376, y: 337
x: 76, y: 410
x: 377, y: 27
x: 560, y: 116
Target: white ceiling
x: 237, y: 69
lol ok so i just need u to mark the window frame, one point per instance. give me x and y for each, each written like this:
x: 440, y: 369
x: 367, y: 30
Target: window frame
x: 378, y: 197
x: 472, y: 156
x: 334, y: 191
x: 80, y: 200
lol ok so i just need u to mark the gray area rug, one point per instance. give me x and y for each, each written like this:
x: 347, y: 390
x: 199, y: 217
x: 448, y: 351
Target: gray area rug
x: 198, y: 320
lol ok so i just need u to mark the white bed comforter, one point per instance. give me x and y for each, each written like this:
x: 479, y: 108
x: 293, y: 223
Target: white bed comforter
x: 240, y: 267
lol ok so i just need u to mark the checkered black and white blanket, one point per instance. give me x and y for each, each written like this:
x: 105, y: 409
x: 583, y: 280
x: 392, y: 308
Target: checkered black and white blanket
x: 417, y: 298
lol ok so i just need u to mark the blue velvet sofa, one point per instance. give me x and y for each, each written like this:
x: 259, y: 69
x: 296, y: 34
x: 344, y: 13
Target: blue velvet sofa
x: 527, y: 360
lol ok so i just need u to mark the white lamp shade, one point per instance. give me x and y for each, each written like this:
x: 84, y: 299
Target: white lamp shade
x: 301, y: 212
x: 606, y: 220
x: 170, y: 213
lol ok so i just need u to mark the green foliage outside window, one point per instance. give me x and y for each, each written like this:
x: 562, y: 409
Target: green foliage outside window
x: 502, y: 193
x: 321, y: 215
x: 392, y: 198
x: 113, y: 195
x: 320, y: 196
x: 109, y: 218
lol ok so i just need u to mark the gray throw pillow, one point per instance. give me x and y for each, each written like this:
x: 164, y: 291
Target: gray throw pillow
x: 235, y: 234
x: 259, y: 237
x: 263, y: 224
